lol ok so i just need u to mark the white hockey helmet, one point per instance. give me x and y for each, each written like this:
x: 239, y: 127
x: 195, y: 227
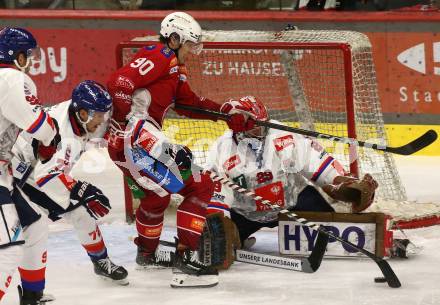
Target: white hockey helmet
x: 185, y: 26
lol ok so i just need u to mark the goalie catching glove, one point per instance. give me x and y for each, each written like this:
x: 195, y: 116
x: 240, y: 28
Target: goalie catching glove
x: 92, y: 198
x: 359, y: 192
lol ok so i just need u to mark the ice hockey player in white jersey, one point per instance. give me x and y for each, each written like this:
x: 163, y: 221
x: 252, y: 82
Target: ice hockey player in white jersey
x: 280, y: 166
x: 50, y: 192
x: 19, y: 109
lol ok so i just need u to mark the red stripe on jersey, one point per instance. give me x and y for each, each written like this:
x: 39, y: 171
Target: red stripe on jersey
x: 190, y: 222
x: 68, y: 181
x: 96, y: 247
x: 32, y: 275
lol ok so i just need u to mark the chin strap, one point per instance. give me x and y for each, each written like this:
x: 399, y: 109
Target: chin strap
x: 23, y: 68
x: 90, y: 113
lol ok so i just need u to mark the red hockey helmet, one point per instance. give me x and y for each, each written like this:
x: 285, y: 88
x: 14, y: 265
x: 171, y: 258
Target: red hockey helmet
x: 251, y: 105
x: 254, y: 108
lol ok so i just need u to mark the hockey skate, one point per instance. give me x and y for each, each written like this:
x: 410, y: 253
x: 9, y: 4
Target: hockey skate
x: 189, y: 272
x: 28, y: 297
x: 160, y: 259
x: 106, y: 269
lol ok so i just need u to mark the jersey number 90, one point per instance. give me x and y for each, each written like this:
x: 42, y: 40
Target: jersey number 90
x: 144, y: 65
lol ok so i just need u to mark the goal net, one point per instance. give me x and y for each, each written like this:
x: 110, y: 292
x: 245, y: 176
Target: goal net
x: 318, y: 80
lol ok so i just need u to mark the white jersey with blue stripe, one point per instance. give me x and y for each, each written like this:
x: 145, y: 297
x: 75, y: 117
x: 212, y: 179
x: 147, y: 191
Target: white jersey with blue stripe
x: 276, y: 167
x: 19, y: 109
x: 54, y: 177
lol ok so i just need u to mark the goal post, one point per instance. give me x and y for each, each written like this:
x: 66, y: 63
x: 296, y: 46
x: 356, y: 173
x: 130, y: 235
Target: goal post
x: 317, y: 80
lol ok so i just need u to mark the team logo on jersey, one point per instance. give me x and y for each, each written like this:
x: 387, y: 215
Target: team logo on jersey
x: 126, y: 97
x: 231, y: 162
x: 272, y: 192
x: 283, y: 142
x: 173, y: 62
x: 276, y: 189
x: 174, y: 69
x: 147, y: 140
x: 197, y: 224
x: 124, y: 82
x: 167, y: 52
x: 241, y: 181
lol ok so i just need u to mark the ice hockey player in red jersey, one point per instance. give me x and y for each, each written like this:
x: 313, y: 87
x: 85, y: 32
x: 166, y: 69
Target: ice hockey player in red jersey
x: 143, y: 91
x: 280, y: 166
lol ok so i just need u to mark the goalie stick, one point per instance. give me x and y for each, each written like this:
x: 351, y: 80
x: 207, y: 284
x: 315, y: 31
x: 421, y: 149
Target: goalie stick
x: 408, y: 149
x: 388, y: 273
x: 308, y: 264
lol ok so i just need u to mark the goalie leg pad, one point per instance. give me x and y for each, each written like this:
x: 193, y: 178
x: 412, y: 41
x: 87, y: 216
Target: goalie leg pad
x: 219, y: 241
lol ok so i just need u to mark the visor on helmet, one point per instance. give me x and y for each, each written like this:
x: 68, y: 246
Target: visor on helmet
x: 195, y: 48
x: 34, y: 54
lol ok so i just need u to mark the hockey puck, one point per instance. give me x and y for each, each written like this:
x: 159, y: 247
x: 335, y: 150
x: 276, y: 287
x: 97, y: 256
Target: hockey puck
x: 380, y: 280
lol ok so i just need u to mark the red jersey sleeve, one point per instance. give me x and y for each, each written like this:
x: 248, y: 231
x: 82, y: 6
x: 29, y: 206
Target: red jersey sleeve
x: 147, y: 66
x: 186, y: 96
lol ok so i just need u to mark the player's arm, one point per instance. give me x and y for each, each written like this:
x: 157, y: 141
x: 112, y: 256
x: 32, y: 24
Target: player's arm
x: 185, y: 96
x: 17, y: 109
x: 320, y: 167
x: 54, y: 179
x: 145, y: 68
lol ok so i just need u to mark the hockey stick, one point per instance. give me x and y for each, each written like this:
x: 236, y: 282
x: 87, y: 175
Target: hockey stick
x: 408, y: 149
x: 303, y: 264
x: 388, y: 273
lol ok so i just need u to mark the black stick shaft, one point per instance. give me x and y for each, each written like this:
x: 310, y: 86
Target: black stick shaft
x: 421, y: 142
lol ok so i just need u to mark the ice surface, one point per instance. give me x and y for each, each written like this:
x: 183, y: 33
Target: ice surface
x: 71, y: 279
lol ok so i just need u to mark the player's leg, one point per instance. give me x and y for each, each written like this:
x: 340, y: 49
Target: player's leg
x: 11, y: 240
x: 10, y: 256
x: 310, y: 200
x: 33, y: 264
x: 149, y: 224
x: 189, y: 271
x: 91, y: 239
x: 247, y: 227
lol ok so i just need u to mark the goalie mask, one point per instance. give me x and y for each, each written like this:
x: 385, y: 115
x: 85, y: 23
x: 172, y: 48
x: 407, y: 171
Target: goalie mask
x: 253, y: 107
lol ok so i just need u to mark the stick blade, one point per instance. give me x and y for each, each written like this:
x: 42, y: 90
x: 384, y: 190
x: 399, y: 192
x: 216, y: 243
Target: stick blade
x: 421, y: 142
x: 314, y: 260
x: 389, y: 274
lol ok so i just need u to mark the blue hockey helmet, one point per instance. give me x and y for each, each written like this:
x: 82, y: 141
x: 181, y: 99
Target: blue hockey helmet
x: 91, y: 96
x: 14, y: 41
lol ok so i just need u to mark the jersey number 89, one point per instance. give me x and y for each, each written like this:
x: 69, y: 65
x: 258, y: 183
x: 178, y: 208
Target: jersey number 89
x: 144, y: 65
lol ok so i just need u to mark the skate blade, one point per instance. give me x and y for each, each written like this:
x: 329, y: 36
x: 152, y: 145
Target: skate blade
x: 123, y: 282
x: 150, y: 267
x: 47, y: 298
x: 187, y: 281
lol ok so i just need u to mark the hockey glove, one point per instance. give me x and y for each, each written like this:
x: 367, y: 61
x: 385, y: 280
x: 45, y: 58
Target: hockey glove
x: 239, y: 121
x: 359, y: 192
x: 45, y: 153
x: 183, y: 157
x: 95, y: 202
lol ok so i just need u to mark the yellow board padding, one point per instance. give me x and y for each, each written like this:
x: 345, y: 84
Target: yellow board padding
x: 199, y: 134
